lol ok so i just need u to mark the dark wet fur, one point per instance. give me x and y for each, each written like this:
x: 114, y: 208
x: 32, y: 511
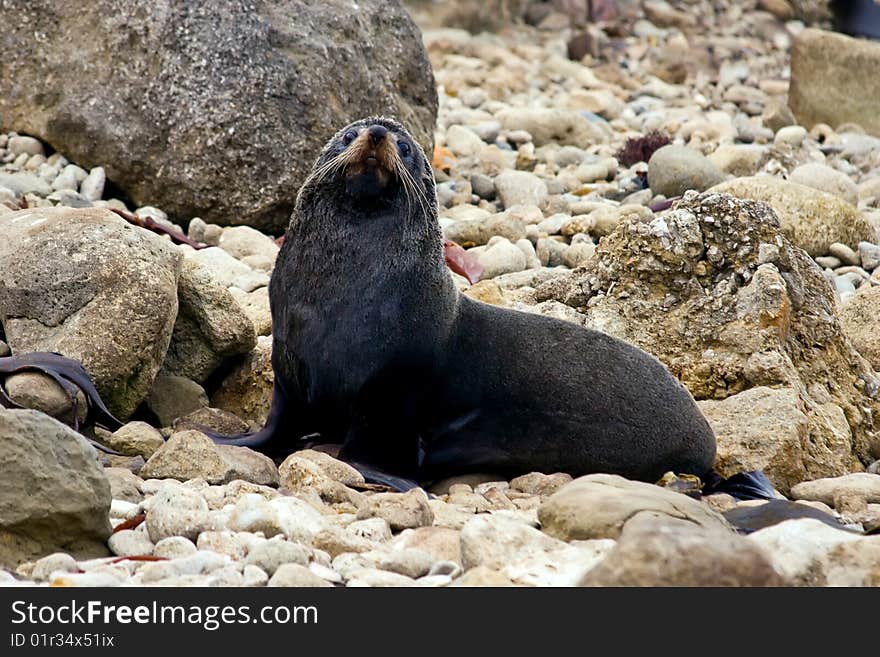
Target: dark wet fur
x: 859, y: 18
x: 374, y: 348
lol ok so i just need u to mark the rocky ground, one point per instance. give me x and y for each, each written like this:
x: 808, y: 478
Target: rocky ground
x: 557, y: 151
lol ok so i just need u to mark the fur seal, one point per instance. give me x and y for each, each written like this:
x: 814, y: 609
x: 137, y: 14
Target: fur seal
x: 375, y: 348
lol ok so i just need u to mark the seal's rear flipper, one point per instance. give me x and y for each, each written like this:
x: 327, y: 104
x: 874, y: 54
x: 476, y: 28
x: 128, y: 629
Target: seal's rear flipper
x: 72, y: 377
x: 279, y: 425
x: 374, y: 476
x: 69, y: 374
x: 752, y: 485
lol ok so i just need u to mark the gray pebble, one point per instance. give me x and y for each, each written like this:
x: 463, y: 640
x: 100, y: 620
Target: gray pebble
x: 828, y: 262
x: 845, y: 254
x: 483, y: 186
x: 92, y: 188
x: 869, y: 255
x: 844, y: 285
x: 24, y: 146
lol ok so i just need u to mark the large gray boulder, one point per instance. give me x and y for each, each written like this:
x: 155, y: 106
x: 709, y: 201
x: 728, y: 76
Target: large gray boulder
x: 54, y: 496
x: 211, y: 109
x: 88, y: 285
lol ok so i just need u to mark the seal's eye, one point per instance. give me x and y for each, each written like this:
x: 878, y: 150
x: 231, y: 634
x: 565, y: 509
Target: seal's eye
x: 349, y: 137
x: 404, y: 148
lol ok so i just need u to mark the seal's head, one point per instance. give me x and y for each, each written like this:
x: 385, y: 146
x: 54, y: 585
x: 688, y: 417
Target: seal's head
x: 377, y: 163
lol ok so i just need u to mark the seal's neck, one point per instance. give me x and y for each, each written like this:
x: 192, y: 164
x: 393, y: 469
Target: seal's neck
x: 399, y: 234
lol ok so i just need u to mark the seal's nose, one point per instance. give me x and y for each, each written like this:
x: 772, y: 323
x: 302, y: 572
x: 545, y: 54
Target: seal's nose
x: 377, y: 134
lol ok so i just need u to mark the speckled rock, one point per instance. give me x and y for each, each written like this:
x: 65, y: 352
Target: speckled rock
x: 806, y: 551
x: 247, y: 389
x: 54, y: 494
x: 824, y: 178
x: 135, y: 50
x: 598, y: 506
x: 773, y: 439
x: 668, y: 286
x: 296, y: 575
x: 124, y: 485
x: 172, y: 397
x: 524, y: 554
x: 176, y: 511
x: 657, y: 550
x: 858, y: 318
x: 135, y: 438
x: 833, y: 81
x: 41, y: 392
x: 112, y: 307
x: 827, y: 490
x: 191, y: 454
x: 561, y: 126
x: 210, y: 325
x: 401, y: 510
x: 272, y: 554
x: 520, y: 188
x: 810, y: 218
x: 289, y: 516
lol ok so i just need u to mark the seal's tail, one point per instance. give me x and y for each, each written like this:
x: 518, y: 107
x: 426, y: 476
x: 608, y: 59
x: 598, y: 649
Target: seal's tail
x: 752, y: 485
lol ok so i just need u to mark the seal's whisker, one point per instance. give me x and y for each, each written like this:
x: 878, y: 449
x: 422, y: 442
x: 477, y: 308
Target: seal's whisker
x: 414, y: 191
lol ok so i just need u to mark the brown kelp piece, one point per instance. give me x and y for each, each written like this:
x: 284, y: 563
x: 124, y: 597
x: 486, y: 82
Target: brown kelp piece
x: 151, y: 224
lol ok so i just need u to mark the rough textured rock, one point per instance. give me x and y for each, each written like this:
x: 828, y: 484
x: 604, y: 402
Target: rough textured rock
x: 598, y: 506
x: 88, y: 285
x: 834, y: 80
x: 191, y: 454
x: 715, y: 291
x: 167, y: 96
x: 135, y: 438
x: 807, y: 551
x: 124, y: 485
x: 212, y: 418
x: 810, y: 218
x: 296, y: 575
x: 334, y: 468
x: 829, y: 489
x: 442, y: 543
x: 247, y: 389
x: 172, y: 397
x: 656, y: 550
x: 55, y: 495
x: 762, y: 429
x: 401, y: 510
x: 210, y: 326
x: 859, y: 317
x: 525, y: 554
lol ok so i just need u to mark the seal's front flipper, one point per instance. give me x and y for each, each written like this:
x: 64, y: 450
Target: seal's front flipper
x: 752, y: 485
x: 281, y: 424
